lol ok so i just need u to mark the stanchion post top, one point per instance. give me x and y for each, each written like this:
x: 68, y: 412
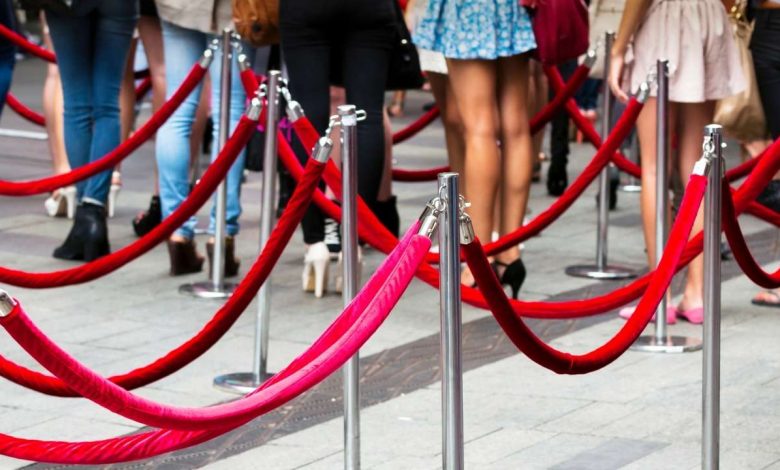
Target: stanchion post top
x: 348, y: 114
x: 7, y: 303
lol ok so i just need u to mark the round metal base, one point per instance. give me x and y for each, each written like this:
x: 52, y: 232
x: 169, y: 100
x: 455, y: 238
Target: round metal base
x: 609, y: 273
x: 631, y: 188
x: 240, y: 382
x: 206, y: 290
x: 673, y: 344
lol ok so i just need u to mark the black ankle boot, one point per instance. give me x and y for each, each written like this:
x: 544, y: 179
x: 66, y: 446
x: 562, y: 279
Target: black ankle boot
x: 387, y: 213
x: 95, y: 231
x: 146, y: 221
x: 88, y: 238
x: 73, y: 247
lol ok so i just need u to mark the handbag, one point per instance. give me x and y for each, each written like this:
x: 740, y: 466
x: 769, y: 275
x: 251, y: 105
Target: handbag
x: 403, y: 71
x: 257, y: 21
x: 742, y: 115
x: 605, y: 16
x: 60, y: 7
x: 560, y: 28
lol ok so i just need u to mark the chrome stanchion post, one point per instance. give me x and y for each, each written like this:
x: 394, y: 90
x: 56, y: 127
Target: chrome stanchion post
x: 661, y: 341
x: 449, y: 291
x: 217, y: 288
x: 349, y: 248
x: 712, y: 279
x: 602, y: 270
x: 244, y: 382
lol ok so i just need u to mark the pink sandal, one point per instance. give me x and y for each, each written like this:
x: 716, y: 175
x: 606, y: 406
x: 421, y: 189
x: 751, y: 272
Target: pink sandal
x: 671, y: 314
x: 693, y: 315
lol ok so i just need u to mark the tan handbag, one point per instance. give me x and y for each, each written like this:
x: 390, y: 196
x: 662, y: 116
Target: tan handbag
x: 257, y: 21
x: 742, y: 115
x: 605, y: 17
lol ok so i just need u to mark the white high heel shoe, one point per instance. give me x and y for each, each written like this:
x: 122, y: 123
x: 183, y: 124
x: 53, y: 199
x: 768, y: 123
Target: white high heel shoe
x: 315, y: 269
x: 113, y: 193
x: 61, y: 203
x: 340, y: 276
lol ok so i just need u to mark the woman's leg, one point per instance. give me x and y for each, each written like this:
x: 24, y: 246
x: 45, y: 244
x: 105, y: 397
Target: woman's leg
x: 183, y: 48
x: 127, y: 94
x: 474, y: 86
x: 72, y: 39
x: 518, y: 155
x: 150, y: 30
x: 450, y: 117
x: 113, y: 34
x: 53, y: 109
x: 646, y: 132
x: 691, y: 120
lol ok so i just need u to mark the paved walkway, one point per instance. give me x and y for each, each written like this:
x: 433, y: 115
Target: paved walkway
x: 641, y: 412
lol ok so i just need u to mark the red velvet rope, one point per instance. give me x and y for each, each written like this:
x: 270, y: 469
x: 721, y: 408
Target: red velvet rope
x: 26, y: 45
x: 565, y: 363
x: 216, y: 327
x: 24, y: 111
x: 109, y: 263
x: 415, y: 127
x: 537, y: 124
x: 110, y: 160
x: 739, y: 246
x: 37, y: 118
x: 361, y: 319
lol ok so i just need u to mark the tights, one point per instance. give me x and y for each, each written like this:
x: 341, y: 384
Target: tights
x: 349, y: 39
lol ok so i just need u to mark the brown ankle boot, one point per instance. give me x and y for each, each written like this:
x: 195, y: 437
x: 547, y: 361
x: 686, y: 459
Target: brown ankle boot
x: 231, y: 262
x: 184, y: 258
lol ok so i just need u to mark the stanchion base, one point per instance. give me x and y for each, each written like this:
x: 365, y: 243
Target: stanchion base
x: 608, y: 273
x: 672, y: 344
x: 631, y: 188
x: 240, y: 382
x: 207, y: 290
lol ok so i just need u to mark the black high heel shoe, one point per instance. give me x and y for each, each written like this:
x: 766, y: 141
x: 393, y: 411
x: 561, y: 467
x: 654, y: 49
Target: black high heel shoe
x: 513, y: 275
x: 557, y: 179
x: 146, y: 221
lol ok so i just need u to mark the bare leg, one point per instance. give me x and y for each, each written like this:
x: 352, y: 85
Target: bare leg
x: 646, y: 131
x: 450, y: 116
x: 127, y: 95
x: 53, y: 110
x: 692, y: 119
x: 537, y: 99
x: 396, y: 107
x: 386, y: 185
x: 517, y: 146
x: 474, y: 83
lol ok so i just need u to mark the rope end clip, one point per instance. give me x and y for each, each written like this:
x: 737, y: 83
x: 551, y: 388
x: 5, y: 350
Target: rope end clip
x: 590, y: 58
x: 255, y: 108
x: 322, y: 149
x: 207, y: 58
x: 429, y: 219
x: 243, y: 62
x: 7, y: 304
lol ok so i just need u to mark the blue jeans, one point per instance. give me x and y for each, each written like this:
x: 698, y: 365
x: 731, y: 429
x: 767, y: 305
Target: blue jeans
x: 91, y: 47
x: 7, y: 53
x: 183, y: 48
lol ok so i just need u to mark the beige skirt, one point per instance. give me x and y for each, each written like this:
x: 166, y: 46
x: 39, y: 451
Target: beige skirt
x: 696, y: 37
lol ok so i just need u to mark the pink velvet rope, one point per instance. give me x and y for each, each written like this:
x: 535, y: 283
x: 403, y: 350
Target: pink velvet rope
x: 363, y: 317
x: 110, y: 160
x: 213, y: 331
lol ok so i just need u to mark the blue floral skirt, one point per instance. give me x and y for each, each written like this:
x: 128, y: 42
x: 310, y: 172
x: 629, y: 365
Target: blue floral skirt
x: 475, y: 29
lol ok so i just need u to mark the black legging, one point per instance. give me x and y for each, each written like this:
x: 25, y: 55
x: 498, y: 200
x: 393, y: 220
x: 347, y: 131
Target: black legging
x: 765, y: 46
x: 351, y: 38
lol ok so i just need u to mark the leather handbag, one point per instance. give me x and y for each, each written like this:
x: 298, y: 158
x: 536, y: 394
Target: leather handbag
x: 742, y: 115
x: 605, y: 16
x: 560, y: 28
x: 404, y: 72
x: 257, y: 21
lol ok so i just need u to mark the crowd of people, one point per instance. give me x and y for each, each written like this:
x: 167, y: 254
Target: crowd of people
x: 477, y: 60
